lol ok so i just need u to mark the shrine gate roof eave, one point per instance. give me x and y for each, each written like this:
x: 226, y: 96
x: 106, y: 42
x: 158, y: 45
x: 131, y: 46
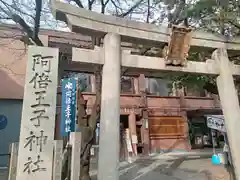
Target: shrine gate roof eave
x: 87, y: 22
x: 150, y: 66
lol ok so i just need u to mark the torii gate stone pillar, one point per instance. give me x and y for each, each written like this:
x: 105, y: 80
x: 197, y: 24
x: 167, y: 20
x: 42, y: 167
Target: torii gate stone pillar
x: 230, y: 105
x: 110, y: 109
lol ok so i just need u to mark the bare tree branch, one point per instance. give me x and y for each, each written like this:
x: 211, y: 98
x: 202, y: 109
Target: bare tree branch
x: 148, y: 11
x: 19, y: 20
x: 16, y: 18
x: 79, y: 3
x: 6, y: 5
x: 37, y: 18
x: 117, y: 8
x: 90, y: 4
x: 5, y: 18
x: 234, y: 24
x: 175, y: 15
x: 130, y: 10
x: 17, y: 8
x: 103, y: 6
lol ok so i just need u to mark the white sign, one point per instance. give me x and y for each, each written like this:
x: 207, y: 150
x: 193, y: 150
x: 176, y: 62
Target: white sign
x: 128, y: 141
x: 216, y: 122
x: 134, y: 139
x: 35, y: 153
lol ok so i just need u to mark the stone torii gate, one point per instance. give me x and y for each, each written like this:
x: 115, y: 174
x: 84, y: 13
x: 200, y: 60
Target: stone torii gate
x: 112, y: 58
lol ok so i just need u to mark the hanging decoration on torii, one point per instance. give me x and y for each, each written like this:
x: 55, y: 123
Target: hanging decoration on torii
x: 176, y: 52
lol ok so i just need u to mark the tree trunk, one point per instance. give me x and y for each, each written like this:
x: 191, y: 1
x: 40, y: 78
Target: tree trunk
x: 85, y: 159
x: 87, y: 127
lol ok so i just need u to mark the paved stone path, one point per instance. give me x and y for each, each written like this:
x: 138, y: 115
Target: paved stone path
x: 176, y: 167
x: 165, y: 167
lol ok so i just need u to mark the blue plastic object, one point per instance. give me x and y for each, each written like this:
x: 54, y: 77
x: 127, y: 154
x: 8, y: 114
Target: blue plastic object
x: 216, y: 159
x: 3, y: 122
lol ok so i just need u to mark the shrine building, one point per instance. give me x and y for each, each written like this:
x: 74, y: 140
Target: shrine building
x: 170, y: 111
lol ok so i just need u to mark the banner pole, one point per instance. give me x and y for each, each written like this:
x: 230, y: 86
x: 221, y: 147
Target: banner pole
x: 76, y: 105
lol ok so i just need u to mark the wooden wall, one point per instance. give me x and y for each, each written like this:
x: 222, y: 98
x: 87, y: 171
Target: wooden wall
x: 168, y: 133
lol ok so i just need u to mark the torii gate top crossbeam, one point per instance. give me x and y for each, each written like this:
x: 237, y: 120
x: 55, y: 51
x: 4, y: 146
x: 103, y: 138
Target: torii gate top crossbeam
x: 88, y: 22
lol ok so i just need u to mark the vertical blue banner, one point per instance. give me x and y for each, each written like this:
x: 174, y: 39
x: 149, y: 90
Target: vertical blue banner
x: 68, y: 108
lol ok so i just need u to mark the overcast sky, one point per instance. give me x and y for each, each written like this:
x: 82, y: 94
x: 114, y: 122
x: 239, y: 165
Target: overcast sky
x: 47, y: 20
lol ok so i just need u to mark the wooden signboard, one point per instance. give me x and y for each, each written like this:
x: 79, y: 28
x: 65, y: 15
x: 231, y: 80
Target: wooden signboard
x: 176, y: 52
